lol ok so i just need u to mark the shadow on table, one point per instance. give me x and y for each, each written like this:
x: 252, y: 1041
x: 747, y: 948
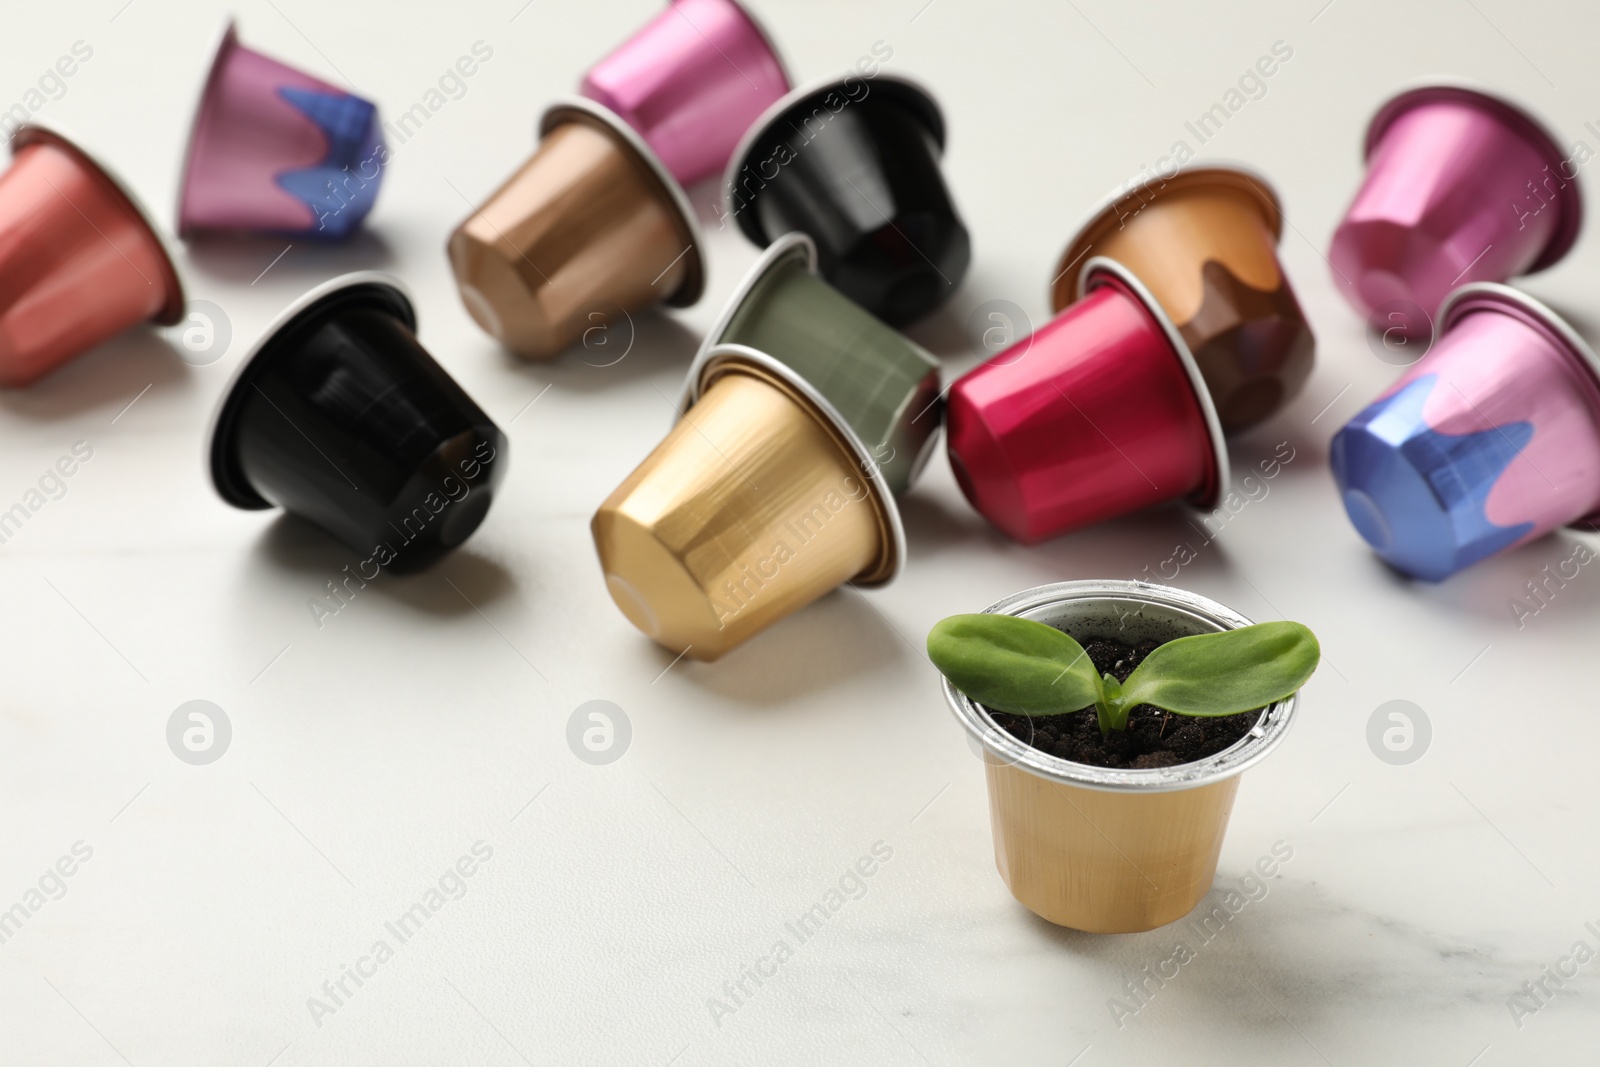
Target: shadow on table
x: 945, y: 335
x: 460, y: 584
x: 1292, y: 954
x: 820, y: 647
x: 617, y: 353
x: 1170, y: 544
x: 1563, y: 569
x: 245, y: 258
x: 106, y: 378
x: 936, y: 526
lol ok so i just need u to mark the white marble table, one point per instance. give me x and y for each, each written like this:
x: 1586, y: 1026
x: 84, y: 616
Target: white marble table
x: 370, y: 754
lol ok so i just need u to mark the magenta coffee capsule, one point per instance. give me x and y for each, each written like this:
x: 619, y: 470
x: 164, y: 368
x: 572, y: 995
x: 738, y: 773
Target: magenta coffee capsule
x: 1462, y: 186
x: 341, y: 417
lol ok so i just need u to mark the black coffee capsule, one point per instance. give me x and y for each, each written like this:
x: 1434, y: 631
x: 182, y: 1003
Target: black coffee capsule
x: 854, y: 164
x: 339, y: 415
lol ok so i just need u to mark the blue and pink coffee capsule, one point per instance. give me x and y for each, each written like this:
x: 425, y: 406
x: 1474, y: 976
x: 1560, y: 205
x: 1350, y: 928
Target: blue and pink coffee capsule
x: 1490, y: 440
x: 273, y: 150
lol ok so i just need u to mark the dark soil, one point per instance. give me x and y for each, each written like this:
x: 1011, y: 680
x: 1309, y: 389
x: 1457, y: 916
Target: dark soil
x: 1154, y: 738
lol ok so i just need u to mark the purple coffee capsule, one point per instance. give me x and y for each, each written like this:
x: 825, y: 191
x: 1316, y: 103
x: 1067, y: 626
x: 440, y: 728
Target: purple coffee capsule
x: 274, y: 150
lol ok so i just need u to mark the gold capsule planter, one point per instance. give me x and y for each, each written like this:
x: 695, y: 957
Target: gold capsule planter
x: 1112, y: 850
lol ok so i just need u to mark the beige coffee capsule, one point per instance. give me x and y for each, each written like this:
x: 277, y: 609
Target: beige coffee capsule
x: 590, y: 228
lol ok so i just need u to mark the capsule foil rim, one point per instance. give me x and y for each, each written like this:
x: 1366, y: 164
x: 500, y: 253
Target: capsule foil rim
x: 1103, y: 266
x: 582, y: 109
x: 217, y: 437
x: 732, y: 359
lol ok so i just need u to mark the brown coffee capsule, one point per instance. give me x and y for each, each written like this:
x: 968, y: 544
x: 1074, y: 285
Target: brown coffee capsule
x: 1205, y: 243
x: 591, y: 227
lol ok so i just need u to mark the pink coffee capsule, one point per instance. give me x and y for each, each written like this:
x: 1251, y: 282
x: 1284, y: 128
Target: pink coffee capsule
x: 1462, y: 186
x: 691, y: 81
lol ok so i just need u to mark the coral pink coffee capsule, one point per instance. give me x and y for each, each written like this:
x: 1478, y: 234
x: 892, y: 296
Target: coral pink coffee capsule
x: 691, y: 82
x: 80, y: 260
x: 274, y: 150
x: 1462, y: 186
x: 1100, y: 413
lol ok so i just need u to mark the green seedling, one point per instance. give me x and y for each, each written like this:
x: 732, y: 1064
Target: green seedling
x: 1027, y: 668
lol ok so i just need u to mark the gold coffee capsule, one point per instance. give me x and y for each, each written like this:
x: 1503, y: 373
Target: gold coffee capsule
x: 758, y: 502
x: 591, y: 227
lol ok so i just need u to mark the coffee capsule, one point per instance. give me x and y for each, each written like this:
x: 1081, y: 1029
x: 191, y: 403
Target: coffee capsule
x: 1102, y: 412
x: 591, y: 227
x: 854, y: 164
x: 885, y: 387
x: 273, y: 150
x: 1206, y: 243
x: 1490, y: 440
x: 691, y: 81
x: 339, y: 416
x: 753, y: 506
x: 1462, y: 185
x: 80, y: 259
